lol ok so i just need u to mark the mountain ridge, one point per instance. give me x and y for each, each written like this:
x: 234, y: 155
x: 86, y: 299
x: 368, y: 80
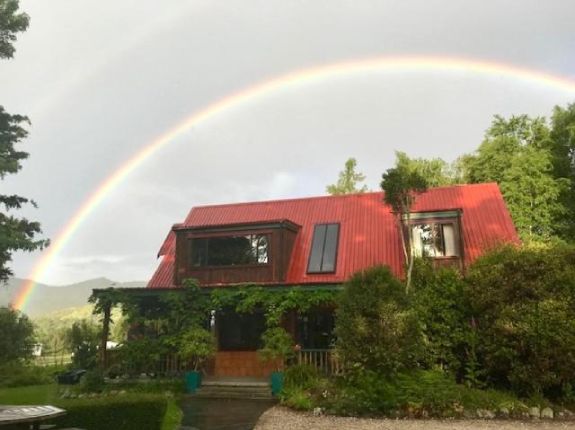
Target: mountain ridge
x: 46, y: 299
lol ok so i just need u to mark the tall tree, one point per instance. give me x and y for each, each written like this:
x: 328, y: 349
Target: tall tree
x: 15, y: 233
x: 401, y: 184
x: 17, y: 336
x: 563, y: 153
x: 515, y: 153
x: 348, y: 181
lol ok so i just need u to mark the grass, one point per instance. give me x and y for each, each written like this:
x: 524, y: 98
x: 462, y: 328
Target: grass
x: 30, y: 395
x: 48, y: 394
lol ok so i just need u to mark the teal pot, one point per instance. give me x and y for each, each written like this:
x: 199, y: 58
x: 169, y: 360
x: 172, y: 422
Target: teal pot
x: 277, y: 382
x: 193, y: 381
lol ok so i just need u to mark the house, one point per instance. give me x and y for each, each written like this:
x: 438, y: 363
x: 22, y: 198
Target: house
x: 318, y: 242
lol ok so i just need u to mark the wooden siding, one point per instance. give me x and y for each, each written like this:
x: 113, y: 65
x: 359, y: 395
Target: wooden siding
x: 281, y: 240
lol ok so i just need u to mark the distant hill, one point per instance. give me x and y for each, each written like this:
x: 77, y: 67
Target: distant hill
x: 48, y: 299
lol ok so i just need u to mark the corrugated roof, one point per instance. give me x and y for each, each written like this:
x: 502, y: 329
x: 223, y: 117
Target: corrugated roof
x: 368, y: 233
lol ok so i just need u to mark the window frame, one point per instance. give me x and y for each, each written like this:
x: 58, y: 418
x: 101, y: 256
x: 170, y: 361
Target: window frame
x: 321, y: 272
x: 229, y: 234
x: 451, y: 216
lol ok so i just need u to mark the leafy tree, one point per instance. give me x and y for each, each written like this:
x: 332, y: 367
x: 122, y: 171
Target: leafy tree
x: 15, y: 233
x: 401, y: 185
x: 17, y: 336
x: 563, y: 152
x: 437, y: 172
x: 82, y: 339
x: 348, y: 181
x: 11, y: 22
x: 516, y: 155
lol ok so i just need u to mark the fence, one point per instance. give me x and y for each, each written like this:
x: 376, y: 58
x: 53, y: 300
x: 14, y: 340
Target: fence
x: 325, y: 360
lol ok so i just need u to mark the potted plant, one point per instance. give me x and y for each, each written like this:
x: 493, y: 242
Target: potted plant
x: 277, y: 349
x: 195, y: 346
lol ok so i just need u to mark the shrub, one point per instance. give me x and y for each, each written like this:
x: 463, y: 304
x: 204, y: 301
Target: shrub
x: 16, y: 374
x: 93, y: 381
x: 277, y: 345
x: 420, y: 393
x: 127, y: 413
x: 17, y: 335
x: 302, y: 376
x: 523, y: 300
x: 440, y: 308
x: 376, y: 330
x: 82, y: 338
x: 297, y: 398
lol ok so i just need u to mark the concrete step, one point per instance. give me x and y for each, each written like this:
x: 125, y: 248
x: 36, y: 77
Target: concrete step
x: 227, y: 391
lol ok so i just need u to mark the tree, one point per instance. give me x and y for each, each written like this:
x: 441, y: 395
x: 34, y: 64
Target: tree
x: 401, y: 184
x: 15, y: 233
x: 82, y: 339
x: 437, y: 172
x: 17, y: 336
x: 348, y: 180
x: 563, y: 153
x: 516, y: 154
x: 11, y: 23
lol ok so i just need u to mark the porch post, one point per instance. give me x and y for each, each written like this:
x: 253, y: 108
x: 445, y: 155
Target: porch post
x: 107, y: 310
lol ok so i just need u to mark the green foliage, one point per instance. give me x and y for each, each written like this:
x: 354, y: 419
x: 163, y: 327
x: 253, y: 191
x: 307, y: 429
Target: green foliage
x: 11, y: 22
x: 17, y: 335
x: 302, y: 376
x: 93, y: 381
x: 82, y: 339
x: 402, y: 183
x: 417, y: 394
x: 516, y: 155
x: 375, y: 327
x: 278, y: 346
x: 297, y: 398
x: 436, y: 171
x: 274, y: 302
x: 16, y: 374
x: 141, y: 355
x: 563, y: 155
x: 104, y: 413
x: 195, y: 346
x: 523, y: 300
x: 16, y: 234
x: 439, y: 305
x: 348, y: 180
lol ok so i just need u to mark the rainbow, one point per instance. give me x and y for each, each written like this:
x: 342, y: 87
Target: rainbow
x: 284, y: 82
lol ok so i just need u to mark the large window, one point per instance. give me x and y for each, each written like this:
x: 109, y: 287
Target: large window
x: 240, y: 332
x: 323, y: 253
x: 435, y: 239
x: 230, y: 250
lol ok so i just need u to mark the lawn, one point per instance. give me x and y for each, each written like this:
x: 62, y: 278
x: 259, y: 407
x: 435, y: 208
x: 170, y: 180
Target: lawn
x: 48, y: 394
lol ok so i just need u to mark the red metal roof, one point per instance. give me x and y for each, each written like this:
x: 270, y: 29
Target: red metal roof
x: 368, y: 233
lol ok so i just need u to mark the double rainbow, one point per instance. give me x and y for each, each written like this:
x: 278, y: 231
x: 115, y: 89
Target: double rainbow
x: 297, y: 78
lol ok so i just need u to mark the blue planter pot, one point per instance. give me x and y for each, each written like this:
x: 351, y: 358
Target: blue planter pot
x: 277, y: 379
x: 193, y: 381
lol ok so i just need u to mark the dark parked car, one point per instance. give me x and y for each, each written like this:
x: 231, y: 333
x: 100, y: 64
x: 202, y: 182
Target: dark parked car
x: 71, y: 377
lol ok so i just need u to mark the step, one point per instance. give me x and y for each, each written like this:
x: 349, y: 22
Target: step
x: 234, y: 391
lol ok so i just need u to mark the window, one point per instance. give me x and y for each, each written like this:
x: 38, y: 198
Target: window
x: 323, y: 253
x: 435, y: 239
x: 230, y: 250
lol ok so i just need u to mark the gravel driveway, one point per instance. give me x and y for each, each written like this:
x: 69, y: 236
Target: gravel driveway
x: 279, y: 418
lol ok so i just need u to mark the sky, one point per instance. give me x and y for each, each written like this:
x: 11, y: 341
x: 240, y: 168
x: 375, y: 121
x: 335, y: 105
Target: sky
x: 101, y: 79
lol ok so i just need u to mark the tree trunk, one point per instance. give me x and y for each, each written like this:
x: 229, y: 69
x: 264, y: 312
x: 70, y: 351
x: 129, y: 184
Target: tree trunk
x: 105, y: 334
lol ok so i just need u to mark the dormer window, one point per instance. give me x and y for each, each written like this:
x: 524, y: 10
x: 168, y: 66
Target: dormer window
x: 435, y: 234
x: 323, y: 255
x: 230, y: 250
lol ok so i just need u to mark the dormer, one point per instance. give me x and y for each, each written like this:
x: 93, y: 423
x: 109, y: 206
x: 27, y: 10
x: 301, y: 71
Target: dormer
x: 257, y: 252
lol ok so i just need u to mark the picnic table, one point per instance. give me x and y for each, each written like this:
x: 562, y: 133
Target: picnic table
x: 28, y: 416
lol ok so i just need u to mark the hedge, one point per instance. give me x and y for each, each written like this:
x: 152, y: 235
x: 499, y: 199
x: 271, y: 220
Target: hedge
x: 127, y: 412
